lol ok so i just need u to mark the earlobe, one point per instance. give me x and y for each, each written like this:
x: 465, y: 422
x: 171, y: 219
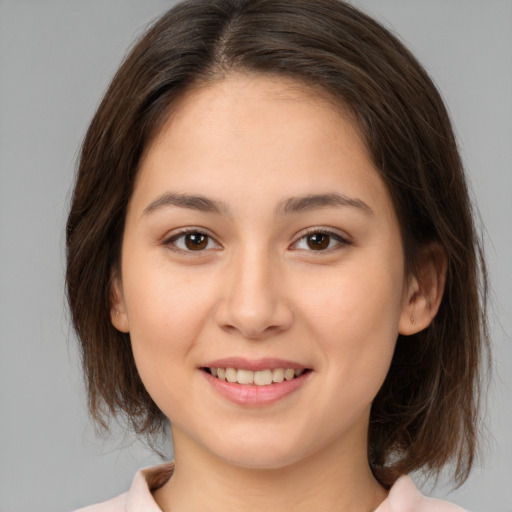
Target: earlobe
x: 118, y: 315
x: 424, y: 292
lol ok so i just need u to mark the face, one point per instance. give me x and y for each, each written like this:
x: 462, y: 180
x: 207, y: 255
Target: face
x: 261, y: 247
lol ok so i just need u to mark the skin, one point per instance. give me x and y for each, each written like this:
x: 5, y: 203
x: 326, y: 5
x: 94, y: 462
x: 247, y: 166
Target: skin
x: 258, y: 289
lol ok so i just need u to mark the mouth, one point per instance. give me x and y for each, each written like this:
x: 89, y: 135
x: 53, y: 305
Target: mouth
x: 257, y: 382
x: 263, y: 377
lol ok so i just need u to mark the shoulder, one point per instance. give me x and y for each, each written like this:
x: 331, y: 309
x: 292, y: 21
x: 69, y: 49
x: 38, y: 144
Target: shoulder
x: 140, y: 496
x: 113, y: 505
x: 404, y: 497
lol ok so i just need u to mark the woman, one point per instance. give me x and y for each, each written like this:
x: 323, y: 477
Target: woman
x: 271, y: 246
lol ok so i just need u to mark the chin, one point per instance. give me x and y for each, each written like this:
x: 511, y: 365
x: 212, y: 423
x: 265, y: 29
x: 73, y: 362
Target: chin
x: 262, y: 461
x: 274, y: 454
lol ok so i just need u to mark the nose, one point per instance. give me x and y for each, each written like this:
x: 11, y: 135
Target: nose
x: 254, y: 300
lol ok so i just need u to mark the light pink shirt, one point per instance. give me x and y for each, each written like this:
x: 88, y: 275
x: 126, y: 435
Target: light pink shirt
x: 403, y: 496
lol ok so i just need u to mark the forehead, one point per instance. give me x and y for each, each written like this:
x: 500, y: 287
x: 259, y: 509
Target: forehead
x: 259, y: 134
x: 245, y: 102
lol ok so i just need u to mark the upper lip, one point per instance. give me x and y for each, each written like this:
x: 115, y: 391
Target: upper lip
x: 241, y: 363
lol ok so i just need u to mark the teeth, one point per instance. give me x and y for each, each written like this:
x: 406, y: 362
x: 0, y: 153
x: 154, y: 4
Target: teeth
x: 289, y: 374
x: 259, y: 377
x: 231, y: 374
x: 244, y: 377
x: 263, y: 377
x: 278, y: 375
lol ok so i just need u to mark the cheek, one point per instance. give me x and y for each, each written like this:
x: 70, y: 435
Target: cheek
x: 354, y: 315
x: 356, y: 299
x: 163, y: 325
x: 161, y: 299
x: 165, y: 313
x: 158, y: 309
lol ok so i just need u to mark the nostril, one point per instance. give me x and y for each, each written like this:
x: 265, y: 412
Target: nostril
x: 253, y: 314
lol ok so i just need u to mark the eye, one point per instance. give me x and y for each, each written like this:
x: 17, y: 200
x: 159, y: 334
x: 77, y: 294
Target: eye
x: 320, y: 240
x: 192, y: 241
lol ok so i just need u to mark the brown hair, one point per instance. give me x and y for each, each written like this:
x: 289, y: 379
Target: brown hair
x: 425, y: 414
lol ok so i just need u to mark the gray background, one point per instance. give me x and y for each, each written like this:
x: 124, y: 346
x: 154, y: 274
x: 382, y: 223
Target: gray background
x: 56, y: 58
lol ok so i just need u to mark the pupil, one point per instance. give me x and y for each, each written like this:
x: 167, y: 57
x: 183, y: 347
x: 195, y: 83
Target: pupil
x: 318, y: 241
x: 196, y: 241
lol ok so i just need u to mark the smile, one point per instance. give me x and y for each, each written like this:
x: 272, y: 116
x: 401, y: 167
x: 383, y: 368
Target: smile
x: 255, y: 383
x: 265, y: 377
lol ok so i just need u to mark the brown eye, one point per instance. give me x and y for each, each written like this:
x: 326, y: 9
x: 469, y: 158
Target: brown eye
x: 318, y: 241
x: 321, y: 240
x: 195, y: 241
x: 192, y: 241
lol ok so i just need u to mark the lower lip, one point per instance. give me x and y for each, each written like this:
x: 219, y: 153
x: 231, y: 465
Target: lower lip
x: 251, y: 395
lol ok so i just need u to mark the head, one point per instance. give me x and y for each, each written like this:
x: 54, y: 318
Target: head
x: 424, y: 414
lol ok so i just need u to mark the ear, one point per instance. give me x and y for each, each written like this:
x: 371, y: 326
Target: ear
x: 118, y: 314
x: 424, y: 291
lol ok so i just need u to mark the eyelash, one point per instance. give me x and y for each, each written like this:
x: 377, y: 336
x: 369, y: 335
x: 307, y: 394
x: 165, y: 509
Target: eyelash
x: 172, y: 241
x: 332, y: 235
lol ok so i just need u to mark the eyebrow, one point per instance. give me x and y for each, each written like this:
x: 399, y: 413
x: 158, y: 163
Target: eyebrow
x: 193, y: 202
x: 314, y: 201
x: 286, y: 207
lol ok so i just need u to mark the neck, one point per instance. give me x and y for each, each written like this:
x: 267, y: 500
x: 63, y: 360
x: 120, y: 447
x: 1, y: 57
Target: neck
x: 332, y: 480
